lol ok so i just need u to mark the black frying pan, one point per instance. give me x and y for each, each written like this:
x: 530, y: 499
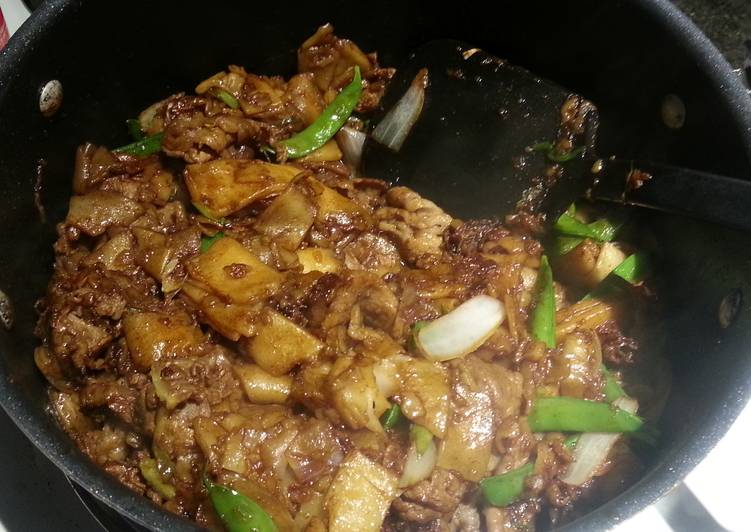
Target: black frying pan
x: 114, y: 58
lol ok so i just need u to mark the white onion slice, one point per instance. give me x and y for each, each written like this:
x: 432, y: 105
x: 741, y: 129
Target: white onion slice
x: 609, y: 258
x: 396, y: 125
x: 462, y: 330
x: 351, y: 142
x: 418, y: 466
x: 593, y: 448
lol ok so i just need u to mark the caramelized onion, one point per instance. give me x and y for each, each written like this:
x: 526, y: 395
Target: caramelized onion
x: 351, y: 142
x: 462, y: 330
x: 593, y: 448
x: 418, y: 466
x: 398, y: 122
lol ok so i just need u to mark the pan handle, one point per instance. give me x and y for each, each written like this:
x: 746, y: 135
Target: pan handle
x: 691, y: 193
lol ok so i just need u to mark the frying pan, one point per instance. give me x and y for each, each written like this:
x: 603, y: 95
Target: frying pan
x: 115, y: 58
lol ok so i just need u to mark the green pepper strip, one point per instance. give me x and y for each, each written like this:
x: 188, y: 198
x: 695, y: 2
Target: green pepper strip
x: 134, y: 128
x: 421, y: 436
x: 550, y: 152
x: 392, y: 417
x: 208, y: 241
x: 612, y: 287
x: 543, y: 318
x: 601, y: 230
x: 502, y: 490
x: 238, y: 512
x: 228, y: 99
x: 571, y: 441
x: 567, y: 414
x: 612, y: 388
x: 328, y: 123
x: 633, y: 269
x: 564, y: 244
x: 144, y: 147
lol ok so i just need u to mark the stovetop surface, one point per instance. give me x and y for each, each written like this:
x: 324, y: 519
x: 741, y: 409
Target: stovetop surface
x: 35, y: 495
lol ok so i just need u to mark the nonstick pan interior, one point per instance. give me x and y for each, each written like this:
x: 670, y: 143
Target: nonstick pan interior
x: 113, y: 60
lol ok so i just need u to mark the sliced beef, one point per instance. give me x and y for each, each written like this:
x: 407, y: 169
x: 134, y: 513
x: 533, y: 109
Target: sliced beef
x: 414, y: 223
x: 434, y: 498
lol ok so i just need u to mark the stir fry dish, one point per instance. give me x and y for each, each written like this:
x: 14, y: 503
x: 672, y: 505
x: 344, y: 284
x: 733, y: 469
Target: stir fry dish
x: 247, y: 331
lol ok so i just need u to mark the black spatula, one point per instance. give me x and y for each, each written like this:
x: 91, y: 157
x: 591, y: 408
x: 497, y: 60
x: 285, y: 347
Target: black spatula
x: 475, y: 136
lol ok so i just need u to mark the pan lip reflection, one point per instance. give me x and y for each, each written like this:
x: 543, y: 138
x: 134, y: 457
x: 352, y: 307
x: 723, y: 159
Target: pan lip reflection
x: 57, y: 447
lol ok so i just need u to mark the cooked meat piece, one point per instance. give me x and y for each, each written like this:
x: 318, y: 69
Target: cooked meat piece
x: 81, y: 305
x: 261, y: 97
x: 75, y: 338
x: 106, y: 446
x: 119, y: 396
x: 367, y: 192
x: 526, y: 223
x: 466, y: 518
x: 97, y: 211
x: 198, y: 138
x: 309, y: 386
x: 361, y: 312
x: 315, y: 451
x: 482, y: 394
x: 504, y: 387
x: 139, y: 179
x: 128, y: 475
x: 93, y: 164
x: 331, y: 60
x: 303, y: 99
x: 372, y: 253
x: 199, y: 129
x: 304, y: 298
x: 415, y: 223
x: 208, y: 378
x: 289, y: 106
x: 617, y: 348
x: 375, y: 83
x: 433, y: 498
x: 469, y: 237
x: 154, y: 185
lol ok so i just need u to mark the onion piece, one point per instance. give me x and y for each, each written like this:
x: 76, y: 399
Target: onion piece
x: 418, y: 466
x: 609, y: 258
x: 351, y: 142
x: 396, y: 125
x: 592, y: 449
x: 462, y: 330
